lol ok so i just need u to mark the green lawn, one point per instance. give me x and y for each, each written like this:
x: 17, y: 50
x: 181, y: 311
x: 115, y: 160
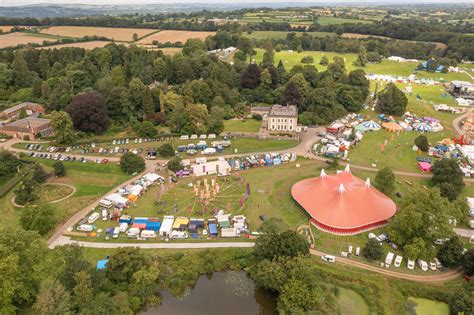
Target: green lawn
x: 430, y: 307
x: 242, y: 125
x: 329, y: 20
x: 351, y: 303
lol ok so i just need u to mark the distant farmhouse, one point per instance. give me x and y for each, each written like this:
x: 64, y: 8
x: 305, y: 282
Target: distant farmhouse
x: 14, y: 112
x: 28, y: 128
x: 462, y: 89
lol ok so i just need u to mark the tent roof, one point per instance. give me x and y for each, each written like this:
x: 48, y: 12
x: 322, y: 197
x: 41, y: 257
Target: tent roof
x: 342, y: 201
x: 392, y: 126
x: 101, y: 264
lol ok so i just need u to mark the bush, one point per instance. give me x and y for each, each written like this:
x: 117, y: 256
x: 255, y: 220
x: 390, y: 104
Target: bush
x: 59, y: 169
x: 372, y: 250
x: 131, y: 163
x: 385, y: 181
x: 285, y: 244
x: 147, y: 130
x: 26, y: 192
x: 166, y: 150
x: 307, y: 59
x: 257, y: 117
x: 422, y: 143
x: 39, y: 174
x: 450, y: 254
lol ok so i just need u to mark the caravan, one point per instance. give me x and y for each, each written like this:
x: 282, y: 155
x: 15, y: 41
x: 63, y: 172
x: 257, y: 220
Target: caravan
x: 328, y: 258
x: 389, y: 258
x: 423, y: 265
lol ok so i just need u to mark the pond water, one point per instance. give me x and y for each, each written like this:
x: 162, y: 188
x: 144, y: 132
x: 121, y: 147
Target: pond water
x: 228, y: 292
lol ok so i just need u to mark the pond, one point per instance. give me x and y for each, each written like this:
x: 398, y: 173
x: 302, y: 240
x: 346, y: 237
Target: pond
x: 421, y: 306
x: 228, y: 292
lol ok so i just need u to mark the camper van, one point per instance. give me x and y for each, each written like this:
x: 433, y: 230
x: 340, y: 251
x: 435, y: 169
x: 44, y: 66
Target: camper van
x: 389, y: 258
x: 148, y: 234
x: 398, y: 261
x: 133, y: 233
x: 116, y: 233
x: 179, y: 234
x: 104, y: 214
x: 105, y: 203
x: 123, y: 227
x: 93, y: 217
x: 328, y: 258
x: 423, y: 265
x: 85, y: 228
x: 411, y: 264
x: 357, y: 251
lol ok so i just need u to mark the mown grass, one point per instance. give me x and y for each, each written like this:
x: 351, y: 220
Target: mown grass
x: 242, y: 125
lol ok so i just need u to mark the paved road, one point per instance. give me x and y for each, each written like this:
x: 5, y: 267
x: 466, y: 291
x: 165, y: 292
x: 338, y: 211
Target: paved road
x: 464, y: 232
x: 457, y: 122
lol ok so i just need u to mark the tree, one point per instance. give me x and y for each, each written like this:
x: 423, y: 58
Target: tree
x: 372, y: 250
x: 307, y: 59
x: 41, y: 218
x: 392, y: 101
x: 422, y: 143
x: 26, y: 192
x: 174, y: 164
x: 461, y: 302
x: 62, y: 127
x: 59, y: 169
x: 89, y: 112
x: 147, y: 130
x: 385, y: 181
x: 450, y: 253
x: 144, y: 285
x: 39, y: 174
x: 194, y: 46
x: 288, y: 243
x: 273, y: 226
x: 448, y: 177
x: 131, y: 163
x: 292, y: 95
x: 467, y: 262
x: 124, y: 263
x: 423, y: 218
x: 166, y: 150
x: 23, y: 113
x: 337, y: 68
x: 324, y: 61
x: 52, y: 299
x: 361, y: 59
x: 268, y: 56
x: 83, y: 290
x: 9, y: 163
x: 68, y: 261
x: 216, y: 120
x: 295, y: 296
x: 250, y: 77
x: 196, y: 117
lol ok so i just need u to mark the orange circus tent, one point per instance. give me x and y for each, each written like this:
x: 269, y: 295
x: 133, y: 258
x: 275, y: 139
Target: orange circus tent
x: 343, y: 204
x: 392, y: 126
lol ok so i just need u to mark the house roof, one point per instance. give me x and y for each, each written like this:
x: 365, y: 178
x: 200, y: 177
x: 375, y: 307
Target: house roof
x: 284, y: 110
x: 342, y: 201
x: 19, y: 107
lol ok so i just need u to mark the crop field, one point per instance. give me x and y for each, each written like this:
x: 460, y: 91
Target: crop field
x: 86, y: 45
x: 174, y: 36
x: 118, y: 34
x: 15, y: 39
x: 167, y: 51
x: 5, y: 28
x: 329, y: 20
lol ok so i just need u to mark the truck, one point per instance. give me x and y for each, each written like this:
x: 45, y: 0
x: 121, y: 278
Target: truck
x: 389, y: 258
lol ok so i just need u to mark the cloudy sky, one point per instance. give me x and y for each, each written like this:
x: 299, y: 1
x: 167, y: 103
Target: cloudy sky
x: 26, y: 2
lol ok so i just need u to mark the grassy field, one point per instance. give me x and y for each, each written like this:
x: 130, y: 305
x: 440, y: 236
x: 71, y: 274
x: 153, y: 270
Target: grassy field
x: 245, y: 125
x: 351, y: 303
x: 90, y: 180
x: 429, y: 307
x: 51, y: 192
x: 118, y: 34
x: 86, y: 45
x: 282, y: 35
x: 174, y: 36
x: 329, y: 20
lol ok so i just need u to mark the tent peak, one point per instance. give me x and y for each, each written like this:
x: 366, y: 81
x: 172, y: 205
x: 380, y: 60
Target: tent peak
x: 367, y: 182
x: 341, y: 188
x: 322, y: 174
x: 347, y: 169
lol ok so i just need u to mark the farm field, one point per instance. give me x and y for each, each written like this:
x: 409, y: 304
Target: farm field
x: 167, y: 51
x: 5, y: 28
x: 86, y: 45
x: 118, y: 34
x: 329, y: 20
x: 246, y: 125
x: 174, y: 36
x: 15, y: 39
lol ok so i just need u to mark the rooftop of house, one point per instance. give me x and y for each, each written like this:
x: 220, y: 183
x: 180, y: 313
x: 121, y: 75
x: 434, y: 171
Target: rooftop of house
x: 19, y: 107
x: 462, y: 83
x: 29, y: 122
x: 284, y: 111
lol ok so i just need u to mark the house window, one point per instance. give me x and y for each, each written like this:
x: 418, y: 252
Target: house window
x: 273, y: 127
x: 291, y: 127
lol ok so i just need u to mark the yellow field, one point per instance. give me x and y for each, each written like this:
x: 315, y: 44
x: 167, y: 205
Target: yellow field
x: 86, y: 45
x: 5, y: 28
x: 174, y: 36
x: 14, y: 39
x: 167, y: 51
x: 118, y: 34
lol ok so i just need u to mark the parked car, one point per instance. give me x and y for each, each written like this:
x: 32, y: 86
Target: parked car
x: 328, y: 258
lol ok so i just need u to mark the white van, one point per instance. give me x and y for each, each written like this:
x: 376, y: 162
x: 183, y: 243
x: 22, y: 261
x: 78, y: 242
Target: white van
x: 350, y: 249
x: 411, y: 264
x: 389, y: 258
x: 328, y: 258
x: 398, y: 261
x: 123, y: 227
x: 105, y: 203
x: 104, y: 214
x: 357, y: 251
x: 423, y: 265
x: 184, y: 137
x: 148, y: 234
x: 116, y: 233
x: 179, y: 234
x: 93, y: 217
x: 133, y: 233
x: 85, y: 228
x: 432, y: 266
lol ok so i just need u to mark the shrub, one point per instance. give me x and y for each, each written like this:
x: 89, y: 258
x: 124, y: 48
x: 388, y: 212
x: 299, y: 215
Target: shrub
x: 166, y: 150
x: 174, y: 165
x: 307, y: 59
x: 257, y: 117
x: 372, y: 250
x: 422, y: 143
x: 59, y: 169
x: 131, y: 163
